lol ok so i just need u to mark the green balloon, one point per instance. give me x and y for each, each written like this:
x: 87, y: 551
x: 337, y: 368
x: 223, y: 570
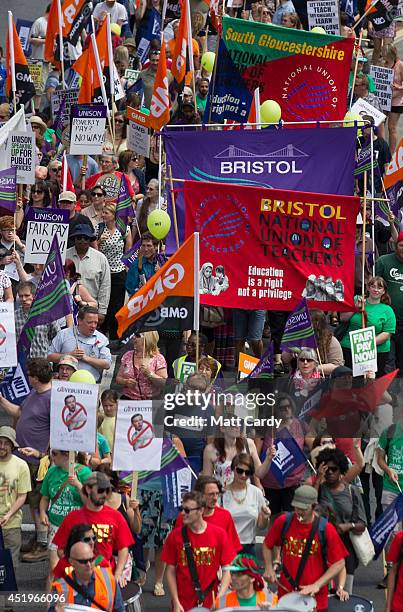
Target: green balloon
x: 318, y: 30
x: 270, y: 112
x: 207, y: 61
x: 82, y: 376
x: 159, y: 223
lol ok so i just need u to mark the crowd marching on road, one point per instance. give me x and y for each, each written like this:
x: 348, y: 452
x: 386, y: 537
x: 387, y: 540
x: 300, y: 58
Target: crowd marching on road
x: 201, y: 305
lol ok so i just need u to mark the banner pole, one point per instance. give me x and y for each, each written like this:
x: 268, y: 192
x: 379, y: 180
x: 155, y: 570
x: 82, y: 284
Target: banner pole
x: 372, y: 204
x: 364, y: 230
x: 365, y: 14
x: 12, y: 59
x: 163, y: 15
x: 214, y: 75
x: 135, y: 479
x: 72, y: 461
x: 171, y: 188
x: 355, y: 71
x: 84, y: 165
x: 159, y: 171
x: 111, y: 76
x: 196, y: 307
x: 190, y: 51
x: 320, y: 362
x: 60, y: 28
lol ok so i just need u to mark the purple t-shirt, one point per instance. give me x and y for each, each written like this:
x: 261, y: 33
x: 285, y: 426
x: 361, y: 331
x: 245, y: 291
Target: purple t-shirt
x: 33, y: 426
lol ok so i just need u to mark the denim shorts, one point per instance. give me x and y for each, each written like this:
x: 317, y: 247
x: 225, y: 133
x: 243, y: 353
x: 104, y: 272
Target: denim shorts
x: 248, y: 324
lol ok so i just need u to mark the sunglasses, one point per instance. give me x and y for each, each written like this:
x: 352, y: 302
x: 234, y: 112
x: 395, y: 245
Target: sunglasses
x: 97, y: 194
x: 88, y: 539
x: 86, y: 238
x: 332, y: 468
x: 55, y: 169
x: 119, y: 121
x: 84, y: 561
x: 305, y: 360
x: 189, y: 510
x: 240, y: 471
x: 103, y: 490
x: 37, y: 191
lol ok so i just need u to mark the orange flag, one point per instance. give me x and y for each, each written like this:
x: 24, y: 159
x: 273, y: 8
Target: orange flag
x: 25, y: 88
x: 176, y: 278
x: 86, y: 66
x: 254, y: 112
x: 160, y: 101
x: 178, y: 68
x: 51, y: 32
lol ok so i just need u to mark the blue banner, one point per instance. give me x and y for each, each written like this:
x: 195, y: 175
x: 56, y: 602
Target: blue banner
x: 15, y: 387
x: 384, y: 525
x: 288, y: 458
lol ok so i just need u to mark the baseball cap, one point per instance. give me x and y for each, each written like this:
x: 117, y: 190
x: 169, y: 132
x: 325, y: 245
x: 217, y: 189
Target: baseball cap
x: 399, y: 237
x: 304, y: 497
x: 341, y: 371
x: 98, y: 478
x: 67, y: 196
x: 9, y: 433
x: 69, y: 360
x: 82, y: 229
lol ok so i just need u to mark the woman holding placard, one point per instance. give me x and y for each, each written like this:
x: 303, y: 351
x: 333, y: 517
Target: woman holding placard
x: 377, y: 313
x: 392, y: 60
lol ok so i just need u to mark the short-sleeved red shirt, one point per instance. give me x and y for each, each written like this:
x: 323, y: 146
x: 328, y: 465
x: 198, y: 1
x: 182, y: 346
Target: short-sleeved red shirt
x: 292, y: 548
x: 211, y: 550
x: 221, y: 518
x: 393, y: 556
x: 110, y: 527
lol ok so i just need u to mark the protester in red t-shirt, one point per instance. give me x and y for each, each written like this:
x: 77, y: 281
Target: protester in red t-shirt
x: 314, y: 576
x: 394, y: 600
x: 108, y: 163
x: 211, y: 550
x: 213, y: 514
x: 111, y: 529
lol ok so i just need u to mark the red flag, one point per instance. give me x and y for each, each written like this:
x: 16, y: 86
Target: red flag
x: 51, y: 32
x: 18, y: 66
x: 160, y: 101
x: 86, y: 66
x: 178, y: 67
x: 67, y: 181
x: 344, y: 401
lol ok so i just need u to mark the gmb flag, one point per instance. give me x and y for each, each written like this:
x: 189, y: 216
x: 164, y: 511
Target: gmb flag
x: 306, y: 73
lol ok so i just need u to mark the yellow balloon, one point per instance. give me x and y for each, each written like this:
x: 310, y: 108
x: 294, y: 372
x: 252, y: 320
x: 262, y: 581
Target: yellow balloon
x: 116, y: 29
x: 159, y: 223
x: 318, y: 30
x: 270, y: 112
x: 207, y: 61
x: 83, y: 376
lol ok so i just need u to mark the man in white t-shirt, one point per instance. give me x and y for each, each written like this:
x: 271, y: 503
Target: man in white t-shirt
x: 37, y: 36
x: 117, y: 12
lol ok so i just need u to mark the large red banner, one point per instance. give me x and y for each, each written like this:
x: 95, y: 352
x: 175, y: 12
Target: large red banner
x: 265, y: 248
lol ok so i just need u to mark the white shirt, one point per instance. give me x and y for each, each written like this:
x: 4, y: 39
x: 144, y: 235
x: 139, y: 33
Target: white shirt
x: 95, y: 275
x: 245, y: 515
x: 116, y: 11
x: 38, y: 30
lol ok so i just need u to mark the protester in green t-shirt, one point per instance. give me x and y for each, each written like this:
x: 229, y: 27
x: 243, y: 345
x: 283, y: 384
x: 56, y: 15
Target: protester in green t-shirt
x: 60, y: 495
x: 379, y: 314
x: 390, y: 457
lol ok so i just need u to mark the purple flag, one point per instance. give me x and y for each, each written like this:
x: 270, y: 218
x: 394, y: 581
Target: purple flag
x: 52, y: 298
x: 298, y: 332
x: 59, y: 124
x: 317, y: 160
x: 124, y: 206
x: 132, y: 254
x: 288, y: 458
x: 8, y: 187
x: 265, y: 367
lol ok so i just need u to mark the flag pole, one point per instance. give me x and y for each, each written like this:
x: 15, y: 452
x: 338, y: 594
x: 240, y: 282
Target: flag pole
x: 365, y: 14
x: 60, y: 28
x: 190, y: 51
x: 135, y: 479
x: 355, y: 70
x: 257, y: 106
x: 320, y: 362
x: 101, y: 80
x: 171, y: 188
x: 214, y: 75
x: 163, y: 14
x: 196, y: 288
x: 12, y: 59
x: 111, y: 75
x: 364, y: 229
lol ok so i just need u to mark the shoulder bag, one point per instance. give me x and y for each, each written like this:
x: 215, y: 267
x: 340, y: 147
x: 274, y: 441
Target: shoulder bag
x: 201, y: 595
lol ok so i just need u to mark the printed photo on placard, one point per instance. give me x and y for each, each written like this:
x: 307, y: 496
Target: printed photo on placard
x: 73, y: 416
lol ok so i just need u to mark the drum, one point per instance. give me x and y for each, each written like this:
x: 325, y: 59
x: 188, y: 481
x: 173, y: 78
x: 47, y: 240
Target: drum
x: 132, y: 597
x: 354, y: 604
x: 295, y: 602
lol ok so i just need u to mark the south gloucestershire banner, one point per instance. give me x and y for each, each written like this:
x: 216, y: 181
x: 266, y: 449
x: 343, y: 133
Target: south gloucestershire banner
x: 306, y: 73
x: 265, y: 248
x: 320, y: 160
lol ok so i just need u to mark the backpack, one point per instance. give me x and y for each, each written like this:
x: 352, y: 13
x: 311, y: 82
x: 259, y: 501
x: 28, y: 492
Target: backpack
x: 321, y: 534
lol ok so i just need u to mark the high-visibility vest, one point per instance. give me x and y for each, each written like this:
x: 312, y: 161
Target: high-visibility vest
x: 105, y: 589
x: 230, y: 599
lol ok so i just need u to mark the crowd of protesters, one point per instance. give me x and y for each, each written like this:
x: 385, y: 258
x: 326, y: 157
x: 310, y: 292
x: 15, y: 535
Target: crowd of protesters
x: 97, y: 539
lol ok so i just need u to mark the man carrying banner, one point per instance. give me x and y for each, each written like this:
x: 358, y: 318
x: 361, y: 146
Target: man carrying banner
x: 312, y: 551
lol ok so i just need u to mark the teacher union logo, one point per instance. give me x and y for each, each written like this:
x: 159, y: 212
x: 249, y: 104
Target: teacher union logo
x: 222, y: 223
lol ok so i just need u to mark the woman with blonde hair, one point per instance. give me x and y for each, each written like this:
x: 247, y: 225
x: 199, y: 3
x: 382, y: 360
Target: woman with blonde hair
x: 143, y: 370
x: 113, y: 244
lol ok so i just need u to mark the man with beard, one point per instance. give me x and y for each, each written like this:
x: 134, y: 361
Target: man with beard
x: 111, y: 529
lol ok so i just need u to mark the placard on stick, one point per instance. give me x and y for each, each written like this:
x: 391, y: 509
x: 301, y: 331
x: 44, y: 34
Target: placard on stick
x: 138, y: 136
x: 21, y: 155
x: 135, y: 446
x: 42, y: 225
x: 363, y: 351
x: 383, y: 78
x: 324, y: 14
x: 87, y: 129
x: 73, y: 416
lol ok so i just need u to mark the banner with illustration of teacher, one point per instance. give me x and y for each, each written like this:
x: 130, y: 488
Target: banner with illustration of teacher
x: 265, y: 248
x: 73, y: 416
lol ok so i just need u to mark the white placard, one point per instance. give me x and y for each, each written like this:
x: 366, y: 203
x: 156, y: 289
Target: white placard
x: 8, y: 348
x: 73, y: 416
x: 324, y: 14
x: 363, y: 351
x: 362, y: 107
x: 135, y: 446
x: 70, y: 96
x: 21, y: 155
x: 383, y: 78
x: 138, y: 133
x: 42, y: 225
x: 87, y: 129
